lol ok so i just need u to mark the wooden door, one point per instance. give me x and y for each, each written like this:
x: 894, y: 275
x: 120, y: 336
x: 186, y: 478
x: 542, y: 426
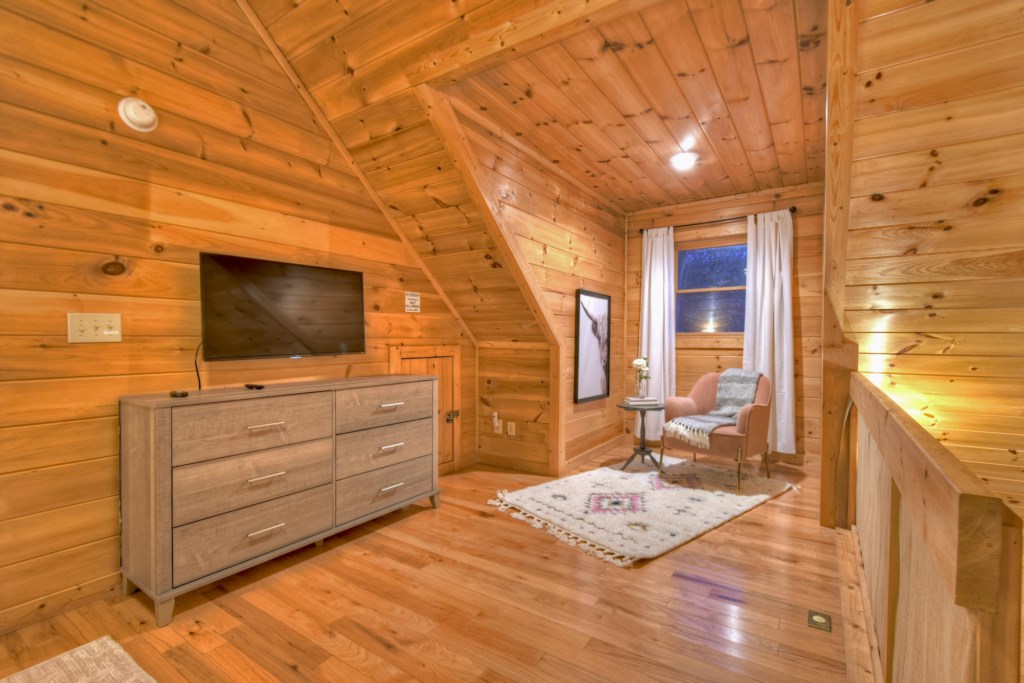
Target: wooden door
x: 436, y: 361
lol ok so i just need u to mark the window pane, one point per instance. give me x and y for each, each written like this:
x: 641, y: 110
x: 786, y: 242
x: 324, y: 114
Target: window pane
x: 714, y: 267
x: 710, y: 311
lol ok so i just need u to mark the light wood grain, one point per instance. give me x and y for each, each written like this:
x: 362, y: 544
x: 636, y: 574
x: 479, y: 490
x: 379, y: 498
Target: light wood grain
x: 363, y: 494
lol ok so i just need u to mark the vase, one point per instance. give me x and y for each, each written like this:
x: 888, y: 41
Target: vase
x: 641, y: 389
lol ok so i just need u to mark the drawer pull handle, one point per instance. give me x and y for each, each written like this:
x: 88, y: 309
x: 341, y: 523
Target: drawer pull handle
x: 392, y: 487
x: 392, y: 405
x: 392, y: 446
x: 266, y: 426
x: 265, y: 477
x: 263, y: 531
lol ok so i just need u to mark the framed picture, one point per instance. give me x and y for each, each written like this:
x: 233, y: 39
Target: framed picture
x: 593, y: 332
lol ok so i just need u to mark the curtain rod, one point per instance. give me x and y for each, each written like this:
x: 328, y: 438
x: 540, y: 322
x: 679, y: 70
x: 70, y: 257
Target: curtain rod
x: 792, y: 209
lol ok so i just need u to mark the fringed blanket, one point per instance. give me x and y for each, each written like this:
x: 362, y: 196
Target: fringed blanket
x: 736, y: 388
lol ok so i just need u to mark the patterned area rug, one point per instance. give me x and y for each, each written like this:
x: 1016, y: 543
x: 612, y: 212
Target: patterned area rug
x: 625, y: 516
x: 101, y: 661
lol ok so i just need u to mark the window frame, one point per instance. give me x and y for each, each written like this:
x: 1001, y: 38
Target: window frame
x: 731, y: 241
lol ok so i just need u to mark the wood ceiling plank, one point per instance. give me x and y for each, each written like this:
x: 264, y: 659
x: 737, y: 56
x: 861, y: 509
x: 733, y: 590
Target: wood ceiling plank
x: 392, y: 28
x: 481, y: 94
x: 723, y: 30
x: 596, y: 57
x: 559, y: 67
x: 576, y: 129
x: 366, y: 125
x: 643, y: 62
x: 811, y: 25
x: 441, y: 221
x: 423, y: 171
x: 774, y: 45
x: 403, y: 145
x: 49, y: 93
x: 106, y: 31
x: 304, y: 25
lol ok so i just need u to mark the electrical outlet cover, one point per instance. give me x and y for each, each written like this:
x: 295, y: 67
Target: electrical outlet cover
x: 86, y: 328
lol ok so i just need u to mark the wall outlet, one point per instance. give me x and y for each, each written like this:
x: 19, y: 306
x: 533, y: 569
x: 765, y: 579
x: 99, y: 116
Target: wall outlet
x: 94, y: 328
x: 511, y: 428
x: 497, y: 426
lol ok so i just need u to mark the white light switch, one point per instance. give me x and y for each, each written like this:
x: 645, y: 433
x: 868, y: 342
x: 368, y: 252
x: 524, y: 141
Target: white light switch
x: 94, y: 327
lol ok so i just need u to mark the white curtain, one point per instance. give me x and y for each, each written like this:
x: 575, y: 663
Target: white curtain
x: 658, y: 321
x: 768, y: 324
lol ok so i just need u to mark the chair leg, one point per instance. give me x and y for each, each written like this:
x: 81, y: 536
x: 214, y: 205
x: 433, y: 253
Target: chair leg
x: 739, y: 467
x: 661, y: 458
x: 767, y: 467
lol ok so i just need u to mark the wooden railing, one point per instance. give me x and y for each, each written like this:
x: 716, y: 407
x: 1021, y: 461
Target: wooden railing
x: 941, y: 553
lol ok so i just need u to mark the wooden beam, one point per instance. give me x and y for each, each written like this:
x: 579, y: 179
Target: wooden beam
x: 719, y: 208
x: 959, y: 516
x: 325, y: 125
x: 442, y: 116
x: 839, y: 355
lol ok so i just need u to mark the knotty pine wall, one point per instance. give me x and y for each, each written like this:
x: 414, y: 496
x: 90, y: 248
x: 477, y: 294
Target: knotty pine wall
x: 935, y: 270
x: 697, y: 354
x: 236, y: 166
x: 571, y: 242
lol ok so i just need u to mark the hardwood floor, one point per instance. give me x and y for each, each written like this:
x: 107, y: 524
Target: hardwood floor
x: 467, y: 593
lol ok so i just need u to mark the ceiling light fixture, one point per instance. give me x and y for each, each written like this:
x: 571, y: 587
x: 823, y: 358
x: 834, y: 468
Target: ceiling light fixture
x: 684, y: 161
x: 137, y: 114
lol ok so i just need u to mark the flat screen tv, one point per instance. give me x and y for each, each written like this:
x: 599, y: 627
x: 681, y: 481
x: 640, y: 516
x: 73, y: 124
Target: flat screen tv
x: 253, y: 308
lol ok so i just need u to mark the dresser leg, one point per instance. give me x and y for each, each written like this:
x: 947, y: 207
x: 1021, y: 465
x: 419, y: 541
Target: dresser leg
x: 435, y: 501
x: 164, y: 609
x: 127, y: 587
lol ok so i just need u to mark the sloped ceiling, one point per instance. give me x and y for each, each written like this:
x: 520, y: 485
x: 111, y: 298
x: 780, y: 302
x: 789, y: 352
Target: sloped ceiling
x: 604, y: 92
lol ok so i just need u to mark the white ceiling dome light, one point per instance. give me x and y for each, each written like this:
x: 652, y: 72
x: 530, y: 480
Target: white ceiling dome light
x: 137, y: 114
x: 686, y: 159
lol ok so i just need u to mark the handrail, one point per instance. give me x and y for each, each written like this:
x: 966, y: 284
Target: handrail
x: 956, y: 513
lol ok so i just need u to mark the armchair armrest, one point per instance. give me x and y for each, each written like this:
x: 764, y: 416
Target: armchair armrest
x: 679, y: 406
x: 753, y: 420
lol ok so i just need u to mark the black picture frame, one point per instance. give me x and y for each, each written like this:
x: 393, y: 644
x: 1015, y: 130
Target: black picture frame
x: 593, y: 344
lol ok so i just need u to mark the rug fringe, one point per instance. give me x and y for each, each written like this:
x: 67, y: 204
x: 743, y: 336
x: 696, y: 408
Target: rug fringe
x: 567, y: 537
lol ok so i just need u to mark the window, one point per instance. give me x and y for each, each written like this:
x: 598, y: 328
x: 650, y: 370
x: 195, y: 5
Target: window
x: 711, y: 288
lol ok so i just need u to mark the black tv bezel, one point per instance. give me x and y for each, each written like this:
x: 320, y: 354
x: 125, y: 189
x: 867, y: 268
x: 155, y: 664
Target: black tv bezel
x: 261, y: 356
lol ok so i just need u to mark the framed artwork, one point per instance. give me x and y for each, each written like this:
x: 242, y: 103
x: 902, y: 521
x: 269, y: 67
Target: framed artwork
x: 593, y: 332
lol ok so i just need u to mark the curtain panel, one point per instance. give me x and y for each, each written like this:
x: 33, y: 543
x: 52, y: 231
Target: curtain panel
x: 658, y: 321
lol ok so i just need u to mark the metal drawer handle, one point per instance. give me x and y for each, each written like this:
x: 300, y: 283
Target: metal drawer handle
x: 392, y: 405
x: 265, y: 477
x: 393, y: 486
x: 266, y: 426
x: 263, y: 531
x: 392, y: 447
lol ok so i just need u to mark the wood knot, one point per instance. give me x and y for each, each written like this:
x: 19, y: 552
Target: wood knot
x: 877, y: 197
x: 114, y: 267
x: 980, y: 201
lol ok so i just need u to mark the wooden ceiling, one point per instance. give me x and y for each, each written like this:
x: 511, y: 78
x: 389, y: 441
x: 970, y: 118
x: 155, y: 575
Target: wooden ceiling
x: 605, y: 92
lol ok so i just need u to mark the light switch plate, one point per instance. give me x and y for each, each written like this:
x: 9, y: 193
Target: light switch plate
x: 85, y: 328
x: 510, y: 428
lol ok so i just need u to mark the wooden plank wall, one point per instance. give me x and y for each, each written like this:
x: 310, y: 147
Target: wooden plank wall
x: 698, y: 354
x: 935, y: 276
x: 571, y: 242
x: 236, y: 166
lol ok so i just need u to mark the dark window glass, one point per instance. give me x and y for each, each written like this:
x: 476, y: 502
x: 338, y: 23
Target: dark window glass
x: 713, y: 267
x: 710, y: 311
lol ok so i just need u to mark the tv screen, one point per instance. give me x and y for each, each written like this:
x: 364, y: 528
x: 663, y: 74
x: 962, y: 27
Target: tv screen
x: 253, y: 308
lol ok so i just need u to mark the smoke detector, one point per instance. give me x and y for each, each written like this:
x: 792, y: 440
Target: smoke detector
x: 137, y: 114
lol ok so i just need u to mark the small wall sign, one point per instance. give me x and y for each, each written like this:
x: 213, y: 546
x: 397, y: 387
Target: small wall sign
x: 412, y: 302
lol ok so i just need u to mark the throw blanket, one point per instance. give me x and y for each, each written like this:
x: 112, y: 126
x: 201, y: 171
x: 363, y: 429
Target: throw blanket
x: 736, y: 388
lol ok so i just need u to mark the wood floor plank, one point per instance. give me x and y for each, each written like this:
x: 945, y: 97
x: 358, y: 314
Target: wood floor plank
x: 467, y: 593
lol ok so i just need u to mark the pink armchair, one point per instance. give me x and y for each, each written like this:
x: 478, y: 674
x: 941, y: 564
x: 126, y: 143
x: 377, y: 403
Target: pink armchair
x: 749, y: 436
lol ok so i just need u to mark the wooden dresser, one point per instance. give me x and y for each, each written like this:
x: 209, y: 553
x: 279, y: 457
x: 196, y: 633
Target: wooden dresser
x: 225, y: 479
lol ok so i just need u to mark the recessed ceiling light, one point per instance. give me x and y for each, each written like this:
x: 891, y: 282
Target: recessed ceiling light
x: 137, y: 114
x: 684, y: 161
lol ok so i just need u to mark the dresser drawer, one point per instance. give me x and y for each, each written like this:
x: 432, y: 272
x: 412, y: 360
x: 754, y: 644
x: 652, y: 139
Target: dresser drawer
x: 365, y: 493
x: 216, y: 543
x: 209, y: 488
x: 376, y: 406
x: 369, y: 449
x: 213, y: 430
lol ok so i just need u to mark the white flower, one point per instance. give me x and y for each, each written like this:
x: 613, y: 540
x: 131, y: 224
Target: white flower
x: 640, y: 363
x: 642, y: 371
